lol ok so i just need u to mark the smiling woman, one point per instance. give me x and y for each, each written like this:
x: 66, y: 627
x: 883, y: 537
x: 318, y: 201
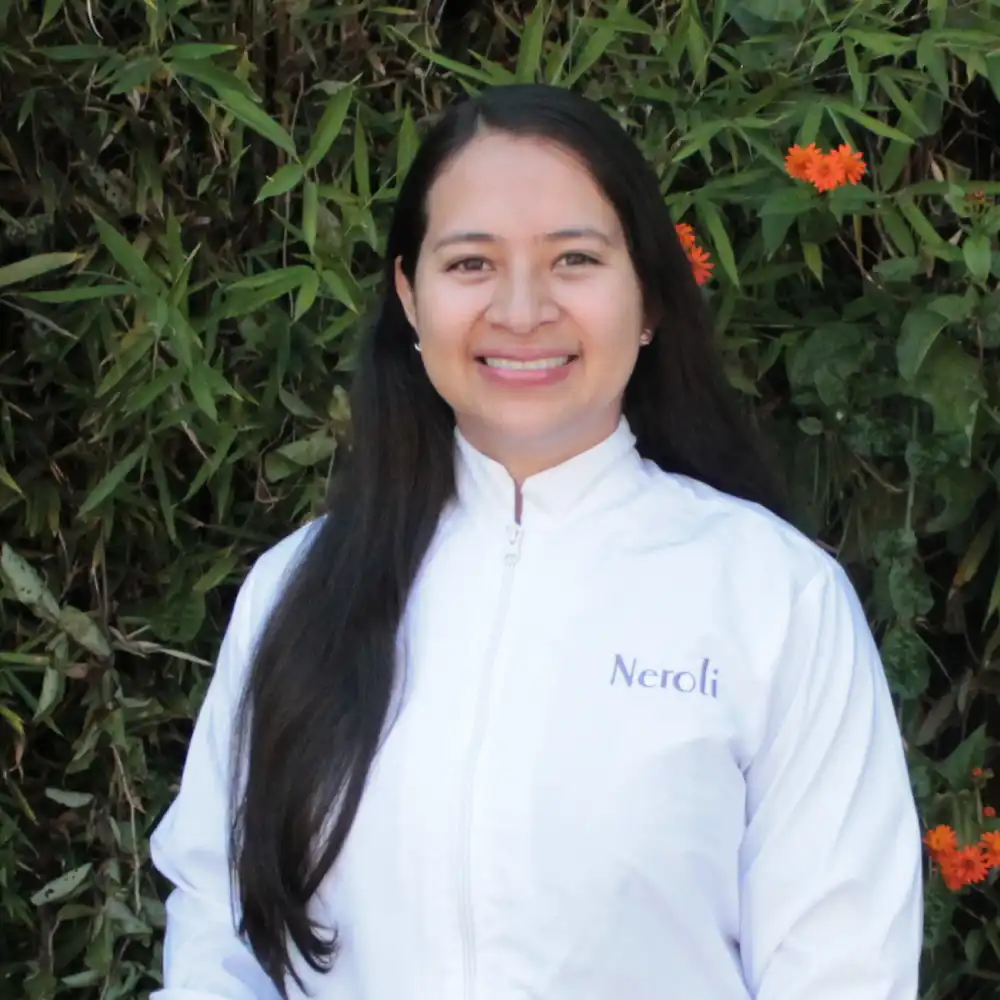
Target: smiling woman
x: 527, y: 307
x: 553, y: 703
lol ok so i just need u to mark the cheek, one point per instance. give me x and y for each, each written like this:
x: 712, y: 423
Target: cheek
x: 446, y: 317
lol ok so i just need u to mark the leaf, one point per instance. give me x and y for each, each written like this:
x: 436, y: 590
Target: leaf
x: 125, y: 918
x: 127, y: 257
x: 180, y: 619
x: 81, y: 293
x: 310, y: 212
x: 10, y: 482
x: 243, y: 303
x: 72, y: 800
x: 813, y: 257
x: 529, y: 54
x: 338, y: 287
x: 968, y: 565
x: 978, y: 256
x: 720, y: 239
x: 51, y: 9
x: 197, y: 50
x: 85, y: 631
x: 107, y: 486
x: 201, y: 391
x: 26, y: 584
x: 265, y: 278
x: 993, y: 605
x: 330, y: 125
x: 951, y: 382
x: 597, y: 44
x: 868, y: 122
x: 308, y: 291
x: 255, y: 118
x: 407, y: 143
x: 920, y: 330
x: 776, y: 11
x: 218, y: 573
x: 282, y: 181
x: 220, y: 80
x: 62, y: 887
x: 958, y: 765
x: 32, y: 267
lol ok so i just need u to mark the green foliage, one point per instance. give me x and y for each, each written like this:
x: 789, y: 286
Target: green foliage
x: 194, y: 198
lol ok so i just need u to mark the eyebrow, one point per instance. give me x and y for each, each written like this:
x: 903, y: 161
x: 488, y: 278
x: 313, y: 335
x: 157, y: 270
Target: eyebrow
x: 576, y: 233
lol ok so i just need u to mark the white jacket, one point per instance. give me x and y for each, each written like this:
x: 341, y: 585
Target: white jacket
x: 646, y: 751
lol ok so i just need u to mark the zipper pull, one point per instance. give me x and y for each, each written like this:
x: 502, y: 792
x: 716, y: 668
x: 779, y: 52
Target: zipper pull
x: 514, y: 535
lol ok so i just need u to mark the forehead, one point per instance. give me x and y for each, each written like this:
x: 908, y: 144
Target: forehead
x: 509, y: 185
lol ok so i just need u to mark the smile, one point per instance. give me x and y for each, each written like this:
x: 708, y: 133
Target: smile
x: 537, y: 364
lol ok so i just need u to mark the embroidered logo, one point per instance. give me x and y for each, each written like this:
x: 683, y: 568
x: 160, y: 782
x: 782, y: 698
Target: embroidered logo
x: 705, y: 682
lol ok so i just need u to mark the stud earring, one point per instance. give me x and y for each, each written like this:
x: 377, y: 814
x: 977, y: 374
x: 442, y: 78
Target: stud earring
x: 416, y: 347
x: 646, y: 338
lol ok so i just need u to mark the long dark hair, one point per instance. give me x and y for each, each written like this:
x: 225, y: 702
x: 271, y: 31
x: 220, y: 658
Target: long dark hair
x: 317, y: 700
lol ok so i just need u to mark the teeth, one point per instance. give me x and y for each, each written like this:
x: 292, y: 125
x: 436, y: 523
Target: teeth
x: 540, y: 363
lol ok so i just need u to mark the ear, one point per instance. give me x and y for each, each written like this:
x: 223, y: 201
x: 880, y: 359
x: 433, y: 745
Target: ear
x: 405, y: 292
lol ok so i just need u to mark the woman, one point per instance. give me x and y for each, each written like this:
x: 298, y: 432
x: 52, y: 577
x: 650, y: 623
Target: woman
x: 553, y: 704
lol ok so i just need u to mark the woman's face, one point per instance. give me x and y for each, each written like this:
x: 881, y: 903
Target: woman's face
x: 526, y: 305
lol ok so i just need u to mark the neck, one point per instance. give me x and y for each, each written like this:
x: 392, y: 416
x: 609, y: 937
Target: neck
x: 527, y: 457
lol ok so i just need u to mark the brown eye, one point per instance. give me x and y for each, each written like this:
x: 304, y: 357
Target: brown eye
x: 577, y: 259
x: 468, y: 265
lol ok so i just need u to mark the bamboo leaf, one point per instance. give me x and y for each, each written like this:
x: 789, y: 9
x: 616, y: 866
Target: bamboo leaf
x: 127, y: 257
x: 282, y: 181
x: 62, y: 887
x: 107, y: 486
x: 720, y: 239
x: 308, y: 291
x: 197, y: 50
x: 254, y: 117
x: 330, y: 125
x: 82, y: 293
x: 26, y: 584
x: 32, y: 267
x: 362, y: 175
x: 529, y: 54
x: 310, y: 211
x: 868, y: 122
x: 85, y: 631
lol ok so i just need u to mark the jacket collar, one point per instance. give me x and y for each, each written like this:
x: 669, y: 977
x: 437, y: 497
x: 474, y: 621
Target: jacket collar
x: 600, y: 477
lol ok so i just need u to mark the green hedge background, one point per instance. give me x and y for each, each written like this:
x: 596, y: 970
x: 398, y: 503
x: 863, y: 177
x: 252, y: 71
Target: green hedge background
x: 193, y: 197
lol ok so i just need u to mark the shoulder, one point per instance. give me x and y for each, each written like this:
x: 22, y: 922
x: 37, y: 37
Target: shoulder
x: 756, y: 547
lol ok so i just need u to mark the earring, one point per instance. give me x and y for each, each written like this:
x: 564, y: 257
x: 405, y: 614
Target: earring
x: 646, y: 338
x: 416, y: 347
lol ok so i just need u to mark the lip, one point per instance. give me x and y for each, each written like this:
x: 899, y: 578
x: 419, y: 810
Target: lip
x: 526, y: 377
x: 534, y: 354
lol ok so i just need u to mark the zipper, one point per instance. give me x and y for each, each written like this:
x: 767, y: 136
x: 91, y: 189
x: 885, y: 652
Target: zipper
x: 512, y: 551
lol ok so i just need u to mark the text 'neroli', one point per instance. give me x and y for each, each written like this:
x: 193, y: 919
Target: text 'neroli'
x: 706, y: 682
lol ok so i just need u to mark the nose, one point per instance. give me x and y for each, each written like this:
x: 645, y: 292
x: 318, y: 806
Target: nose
x: 521, y: 301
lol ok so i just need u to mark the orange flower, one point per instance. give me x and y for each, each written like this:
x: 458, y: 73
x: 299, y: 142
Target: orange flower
x: 685, y: 234
x: 852, y: 163
x: 989, y: 812
x: 800, y: 159
x: 826, y: 172
x: 940, y: 840
x: 701, y: 263
x: 990, y: 845
x: 966, y: 866
x: 977, y: 772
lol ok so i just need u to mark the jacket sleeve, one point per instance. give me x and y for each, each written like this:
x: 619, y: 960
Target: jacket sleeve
x: 831, y: 902
x: 203, y: 957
